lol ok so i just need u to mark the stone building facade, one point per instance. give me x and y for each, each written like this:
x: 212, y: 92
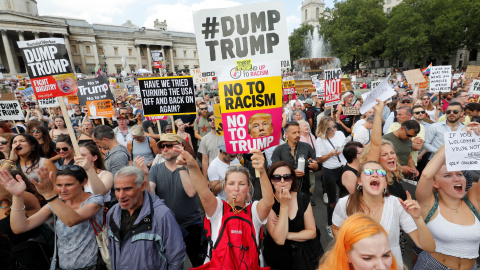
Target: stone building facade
x: 116, y: 47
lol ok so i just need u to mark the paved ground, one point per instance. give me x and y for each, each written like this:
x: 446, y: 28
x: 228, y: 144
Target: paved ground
x: 320, y: 214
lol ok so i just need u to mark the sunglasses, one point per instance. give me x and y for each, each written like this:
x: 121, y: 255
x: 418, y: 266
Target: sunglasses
x: 426, y: 98
x: 64, y: 149
x: 410, y: 136
x: 332, y: 127
x: 286, y: 177
x: 406, y: 101
x: 203, y: 109
x: 69, y: 167
x: 380, y: 172
x: 3, y: 142
x: 420, y: 112
x: 168, y: 145
x: 36, y: 131
x: 137, y: 138
x: 211, y: 119
x: 450, y: 111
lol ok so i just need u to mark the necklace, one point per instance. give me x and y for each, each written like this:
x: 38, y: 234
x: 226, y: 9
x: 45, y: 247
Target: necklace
x: 455, y: 209
x: 376, y: 210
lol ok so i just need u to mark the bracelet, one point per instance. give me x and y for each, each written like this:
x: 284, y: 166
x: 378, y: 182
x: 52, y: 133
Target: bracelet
x: 17, y: 209
x: 51, y: 199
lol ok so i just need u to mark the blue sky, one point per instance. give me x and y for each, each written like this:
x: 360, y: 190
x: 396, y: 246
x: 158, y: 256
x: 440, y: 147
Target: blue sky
x: 143, y: 12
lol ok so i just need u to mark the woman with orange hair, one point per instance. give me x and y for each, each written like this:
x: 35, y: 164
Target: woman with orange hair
x: 361, y: 244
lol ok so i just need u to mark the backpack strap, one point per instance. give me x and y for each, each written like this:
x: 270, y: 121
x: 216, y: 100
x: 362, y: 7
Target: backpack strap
x: 434, y: 208
x: 472, y: 208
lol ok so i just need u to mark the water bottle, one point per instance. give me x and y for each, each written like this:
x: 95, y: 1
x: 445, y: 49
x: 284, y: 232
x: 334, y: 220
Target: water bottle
x: 301, y: 164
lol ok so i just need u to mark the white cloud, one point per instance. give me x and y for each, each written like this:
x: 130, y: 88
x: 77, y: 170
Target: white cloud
x: 293, y: 21
x: 94, y: 11
x: 179, y: 16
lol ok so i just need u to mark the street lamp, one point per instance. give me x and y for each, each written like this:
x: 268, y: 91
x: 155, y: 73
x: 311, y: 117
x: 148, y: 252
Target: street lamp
x: 104, y: 63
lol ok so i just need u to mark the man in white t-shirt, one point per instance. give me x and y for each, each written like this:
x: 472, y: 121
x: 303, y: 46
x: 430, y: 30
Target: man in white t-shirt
x: 217, y: 169
x: 362, y: 121
x: 364, y: 131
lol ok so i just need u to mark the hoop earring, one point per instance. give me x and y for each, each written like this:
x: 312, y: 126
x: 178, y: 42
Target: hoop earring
x: 359, y: 187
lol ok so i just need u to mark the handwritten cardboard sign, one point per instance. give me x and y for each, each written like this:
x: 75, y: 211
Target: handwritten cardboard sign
x: 414, y: 76
x: 472, y: 72
x: 350, y: 110
x: 440, y: 78
x: 11, y: 110
x: 8, y: 96
x: 462, y: 151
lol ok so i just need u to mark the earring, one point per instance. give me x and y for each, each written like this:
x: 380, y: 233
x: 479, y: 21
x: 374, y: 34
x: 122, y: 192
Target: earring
x: 385, y: 191
x: 359, y: 187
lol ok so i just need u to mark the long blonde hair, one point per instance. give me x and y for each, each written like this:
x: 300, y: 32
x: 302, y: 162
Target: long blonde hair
x: 323, y: 126
x: 353, y: 229
x: 398, y: 169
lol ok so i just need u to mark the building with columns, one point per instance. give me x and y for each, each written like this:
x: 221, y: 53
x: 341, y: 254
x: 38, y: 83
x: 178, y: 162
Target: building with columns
x: 89, y: 45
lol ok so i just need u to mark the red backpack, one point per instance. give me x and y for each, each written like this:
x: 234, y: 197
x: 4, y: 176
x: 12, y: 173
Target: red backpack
x: 236, y: 246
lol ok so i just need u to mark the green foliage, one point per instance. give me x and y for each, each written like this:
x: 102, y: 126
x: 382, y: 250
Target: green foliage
x: 297, y: 41
x: 354, y: 29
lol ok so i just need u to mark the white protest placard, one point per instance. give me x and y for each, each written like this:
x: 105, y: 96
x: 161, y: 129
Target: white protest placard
x: 354, y: 78
x: 320, y: 88
x: 374, y: 84
x: 456, y: 76
x: 475, y: 87
x: 462, y: 151
x: 11, y: 110
x: 48, y: 103
x: 383, y: 91
x: 254, y: 31
x: 440, y: 78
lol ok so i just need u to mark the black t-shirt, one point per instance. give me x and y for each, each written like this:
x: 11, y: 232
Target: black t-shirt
x: 281, y: 257
x: 396, y: 189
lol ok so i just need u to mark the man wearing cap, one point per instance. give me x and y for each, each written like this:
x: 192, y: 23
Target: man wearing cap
x: 217, y: 169
x: 171, y: 183
x: 304, y: 95
x: 392, y: 117
x: 209, y: 145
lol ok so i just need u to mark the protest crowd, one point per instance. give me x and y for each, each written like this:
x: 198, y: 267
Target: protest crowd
x: 132, y: 171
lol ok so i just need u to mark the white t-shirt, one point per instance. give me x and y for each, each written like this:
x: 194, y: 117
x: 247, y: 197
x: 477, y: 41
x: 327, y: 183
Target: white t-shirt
x: 216, y: 223
x: 362, y: 135
x: 393, y: 218
x: 357, y: 124
x: 323, y: 147
x: 216, y: 171
x: 123, y: 139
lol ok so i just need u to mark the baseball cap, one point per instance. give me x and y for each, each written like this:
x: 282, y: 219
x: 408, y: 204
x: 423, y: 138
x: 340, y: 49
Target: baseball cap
x: 223, y: 147
x: 122, y: 116
x: 406, y: 98
x: 308, y: 101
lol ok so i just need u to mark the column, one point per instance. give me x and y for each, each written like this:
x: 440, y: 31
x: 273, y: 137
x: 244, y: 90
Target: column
x: 69, y: 50
x: 11, y: 65
x: 162, y: 70
x: 95, y: 53
x: 36, y: 34
x: 20, y: 35
x: 149, y: 57
x: 82, y: 56
x: 172, y: 67
x: 139, y: 57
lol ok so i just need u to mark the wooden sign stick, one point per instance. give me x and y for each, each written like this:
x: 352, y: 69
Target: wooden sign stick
x: 18, y: 132
x: 159, y: 128
x: 173, y: 124
x: 71, y: 132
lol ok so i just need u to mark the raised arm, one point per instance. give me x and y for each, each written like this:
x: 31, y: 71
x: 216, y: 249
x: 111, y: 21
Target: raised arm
x: 277, y: 226
x: 207, y: 198
x: 376, y: 136
x: 99, y: 185
x: 424, y: 192
x: 265, y: 204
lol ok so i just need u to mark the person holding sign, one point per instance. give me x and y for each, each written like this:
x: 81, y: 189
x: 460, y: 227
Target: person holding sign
x: 451, y: 214
x: 226, y: 216
x: 345, y: 122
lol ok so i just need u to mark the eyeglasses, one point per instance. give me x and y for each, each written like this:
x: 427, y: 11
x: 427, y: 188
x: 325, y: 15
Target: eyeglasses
x: 380, y: 172
x: 420, y: 112
x: 406, y: 101
x: 3, y: 142
x: 286, y: 177
x: 64, y: 149
x: 332, y: 127
x: 168, y: 145
x: 36, y: 131
x: 211, y: 119
x: 69, y: 167
x: 203, y: 109
x: 450, y: 111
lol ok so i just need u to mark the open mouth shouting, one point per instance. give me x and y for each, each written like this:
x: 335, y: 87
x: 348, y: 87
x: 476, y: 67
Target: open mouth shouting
x: 458, y: 188
x: 375, y: 184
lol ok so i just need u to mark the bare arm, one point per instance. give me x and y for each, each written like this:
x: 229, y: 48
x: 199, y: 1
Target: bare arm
x: 265, y: 204
x: 349, y: 180
x: 310, y: 230
x: 205, y: 163
x: 100, y: 185
x: 376, y: 137
x: 215, y: 186
x: 197, y: 135
x: 187, y: 183
x: 424, y: 192
x: 153, y: 145
x: 140, y: 163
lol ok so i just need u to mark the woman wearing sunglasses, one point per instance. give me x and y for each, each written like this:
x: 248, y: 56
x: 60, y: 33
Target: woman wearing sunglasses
x: 141, y: 145
x: 361, y: 244
x: 371, y: 197
x: 76, y: 245
x: 64, y: 148
x: 451, y: 214
x: 329, y: 147
x: 27, y: 155
x: 5, y: 146
x: 41, y: 134
x: 239, y: 192
x: 290, y: 220
x: 429, y: 108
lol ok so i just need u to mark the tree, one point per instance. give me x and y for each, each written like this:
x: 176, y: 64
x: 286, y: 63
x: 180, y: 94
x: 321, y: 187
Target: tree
x: 354, y: 30
x: 297, y: 41
x: 420, y: 31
